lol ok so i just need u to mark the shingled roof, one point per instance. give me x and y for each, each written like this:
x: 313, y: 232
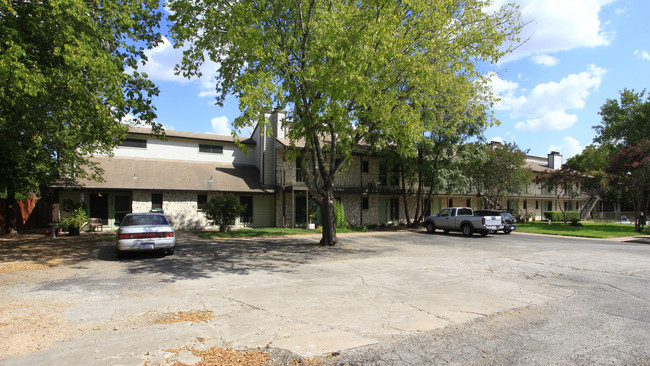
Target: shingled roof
x: 158, y: 174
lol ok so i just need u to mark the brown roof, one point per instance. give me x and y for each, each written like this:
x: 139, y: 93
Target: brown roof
x: 191, y: 135
x: 158, y: 174
x: 536, y: 166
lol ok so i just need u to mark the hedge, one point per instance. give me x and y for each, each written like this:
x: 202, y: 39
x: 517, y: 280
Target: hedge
x: 559, y: 215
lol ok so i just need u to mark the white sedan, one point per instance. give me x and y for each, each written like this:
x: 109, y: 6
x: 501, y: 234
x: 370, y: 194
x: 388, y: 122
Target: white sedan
x: 145, y: 232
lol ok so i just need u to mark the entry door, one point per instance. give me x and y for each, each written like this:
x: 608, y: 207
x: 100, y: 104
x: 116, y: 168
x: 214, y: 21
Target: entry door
x: 383, y: 210
x: 99, y: 206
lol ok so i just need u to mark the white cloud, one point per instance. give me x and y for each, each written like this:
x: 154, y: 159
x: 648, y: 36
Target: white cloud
x: 554, y: 120
x: 569, y: 148
x: 545, y: 106
x: 644, y: 55
x: 560, y: 25
x: 220, y: 126
x: 162, y: 60
x: 621, y: 10
x: 545, y: 60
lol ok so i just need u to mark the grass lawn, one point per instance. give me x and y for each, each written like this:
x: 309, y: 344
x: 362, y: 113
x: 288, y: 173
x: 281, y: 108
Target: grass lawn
x: 588, y: 230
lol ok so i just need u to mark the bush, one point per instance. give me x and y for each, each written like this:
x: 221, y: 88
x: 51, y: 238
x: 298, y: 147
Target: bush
x: 223, y: 209
x: 339, y: 214
x: 559, y: 215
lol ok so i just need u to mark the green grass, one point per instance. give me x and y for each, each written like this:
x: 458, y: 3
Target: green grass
x: 588, y: 230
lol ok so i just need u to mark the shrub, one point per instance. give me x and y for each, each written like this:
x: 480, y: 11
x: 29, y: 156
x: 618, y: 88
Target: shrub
x: 339, y: 214
x: 559, y: 215
x: 223, y: 209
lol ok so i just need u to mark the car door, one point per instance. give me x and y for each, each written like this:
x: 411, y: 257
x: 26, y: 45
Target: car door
x: 444, y: 218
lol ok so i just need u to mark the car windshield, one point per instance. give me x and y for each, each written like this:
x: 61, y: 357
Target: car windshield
x: 144, y: 220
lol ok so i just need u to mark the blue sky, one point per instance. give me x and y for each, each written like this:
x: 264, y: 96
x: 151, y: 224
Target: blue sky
x: 580, y: 53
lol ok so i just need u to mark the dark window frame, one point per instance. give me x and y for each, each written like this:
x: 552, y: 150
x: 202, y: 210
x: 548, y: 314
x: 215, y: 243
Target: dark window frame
x: 134, y: 142
x: 211, y: 149
x: 154, y: 201
x: 365, y: 203
x: 365, y: 167
x: 201, y: 200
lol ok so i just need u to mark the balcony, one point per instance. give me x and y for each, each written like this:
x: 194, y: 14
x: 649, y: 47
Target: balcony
x: 345, y: 182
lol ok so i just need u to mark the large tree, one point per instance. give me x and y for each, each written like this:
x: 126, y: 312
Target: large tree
x: 563, y: 183
x: 343, y: 69
x: 625, y: 130
x: 497, y: 172
x: 625, y: 121
x: 630, y: 167
x: 69, y: 76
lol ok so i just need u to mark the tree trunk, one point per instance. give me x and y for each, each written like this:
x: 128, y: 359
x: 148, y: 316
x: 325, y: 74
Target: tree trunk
x: 10, y: 208
x: 404, y: 197
x: 329, y: 222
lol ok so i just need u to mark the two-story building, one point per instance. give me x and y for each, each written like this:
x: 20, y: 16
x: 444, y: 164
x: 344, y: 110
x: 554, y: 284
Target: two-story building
x: 180, y: 174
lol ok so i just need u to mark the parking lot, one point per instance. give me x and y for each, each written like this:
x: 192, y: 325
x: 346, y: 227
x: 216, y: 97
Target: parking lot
x: 379, y: 294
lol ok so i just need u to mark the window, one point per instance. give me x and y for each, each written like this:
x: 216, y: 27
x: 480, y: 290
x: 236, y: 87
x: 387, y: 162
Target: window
x: 444, y: 213
x: 215, y: 149
x: 451, y: 202
x: 537, y: 205
x: 201, y: 200
x: 247, y: 216
x: 525, y: 204
x: 364, y: 203
x: 299, y: 169
x: 364, y: 167
x: 131, y: 142
x: 156, y: 201
x: 468, y: 202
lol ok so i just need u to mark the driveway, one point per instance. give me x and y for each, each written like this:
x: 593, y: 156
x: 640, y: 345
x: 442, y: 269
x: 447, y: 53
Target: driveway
x: 383, y: 298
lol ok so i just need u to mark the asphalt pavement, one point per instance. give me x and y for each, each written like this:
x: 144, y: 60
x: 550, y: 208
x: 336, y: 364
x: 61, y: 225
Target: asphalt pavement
x: 401, y: 298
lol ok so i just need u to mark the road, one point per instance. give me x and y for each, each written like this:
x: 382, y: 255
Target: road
x: 400, y: 298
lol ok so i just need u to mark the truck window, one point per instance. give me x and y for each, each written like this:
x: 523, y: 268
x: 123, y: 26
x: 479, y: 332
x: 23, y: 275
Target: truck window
x: 464, y: 211
x: 444, y: 213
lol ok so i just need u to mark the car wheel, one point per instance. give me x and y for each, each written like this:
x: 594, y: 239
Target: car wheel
x: 484, y: 232
x: 446, y: 231
x: 431, y: 228
x: 170, y: 251
x: 507, y: 231
x: 119, y: 254
x: 467, y: 230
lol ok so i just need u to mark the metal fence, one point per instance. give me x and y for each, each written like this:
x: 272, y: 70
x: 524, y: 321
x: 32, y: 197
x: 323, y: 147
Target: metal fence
x: 622, y: 217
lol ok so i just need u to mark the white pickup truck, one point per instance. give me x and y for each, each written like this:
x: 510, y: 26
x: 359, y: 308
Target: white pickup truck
x: 462, y: 219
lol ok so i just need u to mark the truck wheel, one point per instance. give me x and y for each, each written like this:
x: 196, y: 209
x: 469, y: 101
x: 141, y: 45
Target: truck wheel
x: 446, y: 231
x: 467, y: 230
x: 431, y: 228
x: 484, y: 232
x: 507, y: 231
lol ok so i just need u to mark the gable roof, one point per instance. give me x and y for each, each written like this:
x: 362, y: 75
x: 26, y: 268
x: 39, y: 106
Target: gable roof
x: 191, y: 135
x: 158, y: 174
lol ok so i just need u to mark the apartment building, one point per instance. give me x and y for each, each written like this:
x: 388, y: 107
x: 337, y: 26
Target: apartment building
x: 180, y: 174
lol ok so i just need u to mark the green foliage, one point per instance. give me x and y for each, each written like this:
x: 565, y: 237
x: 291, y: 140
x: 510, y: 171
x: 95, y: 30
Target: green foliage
x: 625, y: 121
x: 588, y: 230
x: 339, y: 213
x: 497, y: 171
x: 77, y: 218
x: 223, y: 209
x: 69, y: 76
x: 347, y: 72
x: 630, y: 167
x: 575, y: 221
x: 559, y: 215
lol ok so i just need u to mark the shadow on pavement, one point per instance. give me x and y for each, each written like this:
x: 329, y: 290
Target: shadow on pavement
x: 202, y: 258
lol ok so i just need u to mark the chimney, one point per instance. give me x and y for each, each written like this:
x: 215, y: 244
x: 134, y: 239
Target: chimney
x: 278, y: 119
x: 554, y: 160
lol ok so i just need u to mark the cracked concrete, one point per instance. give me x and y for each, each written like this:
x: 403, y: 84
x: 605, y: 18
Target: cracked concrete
x: 292, y: 294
